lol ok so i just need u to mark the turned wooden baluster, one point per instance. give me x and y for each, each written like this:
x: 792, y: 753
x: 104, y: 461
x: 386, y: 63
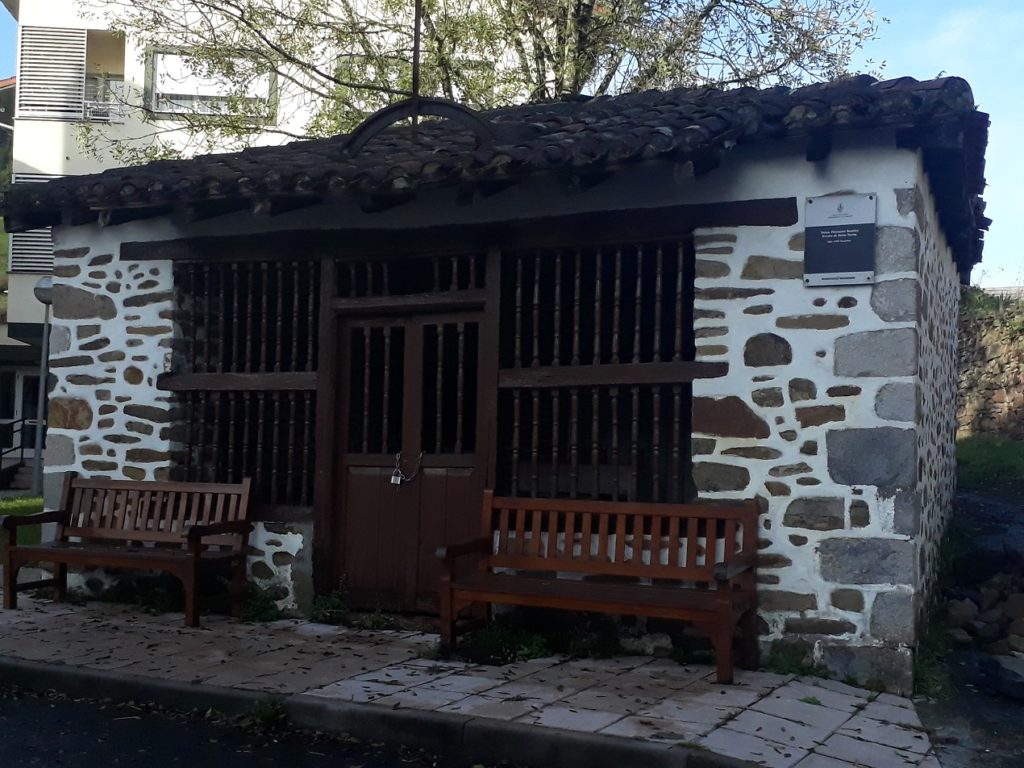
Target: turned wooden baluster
x: 307, y: 441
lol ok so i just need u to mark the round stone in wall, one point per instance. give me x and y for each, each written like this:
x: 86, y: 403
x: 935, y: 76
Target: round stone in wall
x: 766, y: 349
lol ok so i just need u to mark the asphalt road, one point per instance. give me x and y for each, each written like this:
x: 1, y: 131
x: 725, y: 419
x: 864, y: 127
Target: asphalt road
x: 54, y: 731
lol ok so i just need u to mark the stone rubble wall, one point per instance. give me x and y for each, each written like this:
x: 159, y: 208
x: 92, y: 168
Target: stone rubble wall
x: 938, y: 320
x: 820, y: 417
x: 112, y: 334
x: 991, y: 369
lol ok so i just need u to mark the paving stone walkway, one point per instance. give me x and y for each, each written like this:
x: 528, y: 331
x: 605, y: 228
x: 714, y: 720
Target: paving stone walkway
x: 768, y: 719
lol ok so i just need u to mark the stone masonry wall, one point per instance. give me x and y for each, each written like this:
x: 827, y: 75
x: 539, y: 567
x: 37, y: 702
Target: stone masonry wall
x: 938, y: 314
x: 991, y: 366
x: 112, y: 335
x: 818, y: 416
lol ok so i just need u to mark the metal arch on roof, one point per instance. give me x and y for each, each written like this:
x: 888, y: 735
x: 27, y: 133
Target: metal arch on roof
x: 417, y: 105
x: 414, y: 108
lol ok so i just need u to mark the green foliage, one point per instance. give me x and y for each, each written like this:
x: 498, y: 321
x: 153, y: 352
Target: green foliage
x: 501, y: 642
x: 811, y: 700
x: 792, y: 659
x: 265, y: 716
x: 372, y: 621
x: 1007, y: 313
x: 24, y: 505
x: 260, y: 606
x: 153, y: 594
x: 931, y: 668
x: 329, y: 609
x: 348, y: 59
x: 990, y: 463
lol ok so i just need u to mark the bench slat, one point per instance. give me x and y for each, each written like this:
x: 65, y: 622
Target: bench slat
x: 703, y: 511
x: 526, y: 563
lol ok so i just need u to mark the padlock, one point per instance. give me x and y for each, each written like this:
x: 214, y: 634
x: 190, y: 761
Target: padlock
x: 396, y: 477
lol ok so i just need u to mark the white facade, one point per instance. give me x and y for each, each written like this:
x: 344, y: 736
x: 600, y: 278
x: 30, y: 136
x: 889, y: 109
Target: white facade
x: 74, y: 75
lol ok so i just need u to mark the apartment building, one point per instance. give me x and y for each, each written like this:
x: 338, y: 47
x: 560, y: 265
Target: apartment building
x: 74, y: 74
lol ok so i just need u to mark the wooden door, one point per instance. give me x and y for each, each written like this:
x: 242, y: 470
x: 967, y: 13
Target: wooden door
x: 410, y: 405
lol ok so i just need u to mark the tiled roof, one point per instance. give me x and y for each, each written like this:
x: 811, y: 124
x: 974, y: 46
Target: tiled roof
x: 580, y: 137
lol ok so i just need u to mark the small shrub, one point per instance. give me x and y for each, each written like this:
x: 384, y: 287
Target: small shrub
x: 153, y: 594
x: 266, y: 715
x: 329, y: 609
x: 260, y: 606
x: 373, y: 621
x: 792, y: 659
x: 502, y: 643
x: 931, y: 669
x: 431, y: 653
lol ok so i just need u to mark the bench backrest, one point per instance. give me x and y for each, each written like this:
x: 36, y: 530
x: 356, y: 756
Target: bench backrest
x: 660, y: 541
x: 144, y: 511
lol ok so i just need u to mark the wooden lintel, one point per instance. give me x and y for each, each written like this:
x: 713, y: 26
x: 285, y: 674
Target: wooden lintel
x: 221, y: 382
x: 609, y: 375
x: 411, y: 303
x: 635, y: 225
x: 275, y: 206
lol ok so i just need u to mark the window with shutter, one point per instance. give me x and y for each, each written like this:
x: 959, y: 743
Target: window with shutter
x: 51, y: 73
x: 32, y: 251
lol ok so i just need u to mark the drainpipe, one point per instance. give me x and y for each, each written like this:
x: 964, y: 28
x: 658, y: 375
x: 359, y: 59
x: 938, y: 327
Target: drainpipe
x: 44, y: 293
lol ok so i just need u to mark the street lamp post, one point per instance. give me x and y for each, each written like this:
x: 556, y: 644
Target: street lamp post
x: 44, y: 293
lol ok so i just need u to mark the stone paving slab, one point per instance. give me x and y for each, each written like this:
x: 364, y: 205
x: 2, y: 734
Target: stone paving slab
x: 767, y: 719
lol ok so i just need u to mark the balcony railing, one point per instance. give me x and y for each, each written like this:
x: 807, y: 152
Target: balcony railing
x: 104, y: 111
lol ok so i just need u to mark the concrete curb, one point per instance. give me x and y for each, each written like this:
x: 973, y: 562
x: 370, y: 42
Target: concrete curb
x: 471, y: 738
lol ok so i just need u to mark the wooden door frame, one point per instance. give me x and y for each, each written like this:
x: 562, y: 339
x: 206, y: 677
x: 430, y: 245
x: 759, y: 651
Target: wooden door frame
x: 328, y: 490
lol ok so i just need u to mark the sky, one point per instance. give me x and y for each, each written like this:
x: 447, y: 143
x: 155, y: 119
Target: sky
x: 975, y: 39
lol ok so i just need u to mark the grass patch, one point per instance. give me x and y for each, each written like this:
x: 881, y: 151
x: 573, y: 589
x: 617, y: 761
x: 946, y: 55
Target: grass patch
x: 811, y: 700
x: 265, y: 716
x: 502, y: 642
x: 792, y: 659
x: 260, y: 606
x: 154, y: 594
x: 372, y: 621
x: 329, y: 609
x: 525, y: 634
x: 24, y: 505
x: 990, y: 463
x: 931, y: 666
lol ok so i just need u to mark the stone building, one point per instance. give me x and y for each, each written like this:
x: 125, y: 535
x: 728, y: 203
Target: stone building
x: 604, y: 298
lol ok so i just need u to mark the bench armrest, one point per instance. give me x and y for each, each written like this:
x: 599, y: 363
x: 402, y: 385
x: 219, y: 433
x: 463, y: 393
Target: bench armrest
x: 450, y: 552
x: 726, y: 572
x: 12, y: 522
x: 201, y: 530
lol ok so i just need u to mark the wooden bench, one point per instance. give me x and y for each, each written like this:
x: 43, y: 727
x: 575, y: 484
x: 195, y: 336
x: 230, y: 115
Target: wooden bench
x: 674, y: 561
x: 179, y: 528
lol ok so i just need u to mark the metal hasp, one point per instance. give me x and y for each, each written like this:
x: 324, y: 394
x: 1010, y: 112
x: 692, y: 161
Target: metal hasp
x: 415, y: 106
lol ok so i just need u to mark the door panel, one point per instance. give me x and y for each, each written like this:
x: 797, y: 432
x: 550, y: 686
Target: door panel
x: 449, y: 513
x: 411, y: 402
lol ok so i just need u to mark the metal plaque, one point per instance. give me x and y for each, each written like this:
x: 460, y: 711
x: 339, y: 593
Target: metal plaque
x: 840, y: 240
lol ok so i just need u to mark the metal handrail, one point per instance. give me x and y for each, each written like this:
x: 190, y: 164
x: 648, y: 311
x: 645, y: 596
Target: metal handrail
x: 18, y: 428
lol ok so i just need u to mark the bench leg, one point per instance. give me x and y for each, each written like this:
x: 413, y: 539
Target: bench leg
x: 721, y: 639
x: 60, y: 577
x: 10, y: 583
x: 447, y: 619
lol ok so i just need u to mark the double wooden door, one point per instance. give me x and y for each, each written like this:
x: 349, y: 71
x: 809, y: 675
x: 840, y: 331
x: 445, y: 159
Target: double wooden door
x: 410, y: 469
